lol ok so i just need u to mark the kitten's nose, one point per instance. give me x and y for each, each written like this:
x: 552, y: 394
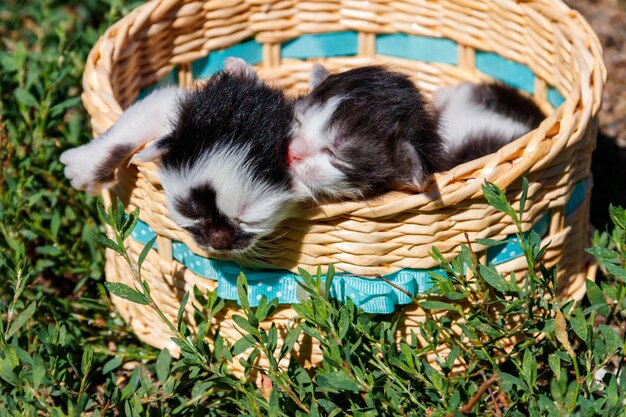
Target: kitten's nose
x: 298, y: 150
x: 221, y: 238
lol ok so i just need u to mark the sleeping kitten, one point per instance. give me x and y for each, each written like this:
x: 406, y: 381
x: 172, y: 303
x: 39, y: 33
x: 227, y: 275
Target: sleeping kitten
x: 221, y: 152
x: 477, y: 119
x: 361, y: 133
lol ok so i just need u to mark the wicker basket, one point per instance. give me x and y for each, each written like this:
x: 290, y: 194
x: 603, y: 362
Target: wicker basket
x: 539, y: 46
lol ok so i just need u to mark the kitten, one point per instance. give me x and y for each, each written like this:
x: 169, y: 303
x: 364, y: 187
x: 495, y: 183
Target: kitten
x: 477, y: 119
x: 222, y: 157
x: 362, y: 133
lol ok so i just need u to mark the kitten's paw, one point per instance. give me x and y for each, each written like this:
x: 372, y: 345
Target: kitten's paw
x: 83, y: 167
x: 237, y: 67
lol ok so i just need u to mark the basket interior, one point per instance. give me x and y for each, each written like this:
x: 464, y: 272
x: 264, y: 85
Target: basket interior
x: 401, y: 51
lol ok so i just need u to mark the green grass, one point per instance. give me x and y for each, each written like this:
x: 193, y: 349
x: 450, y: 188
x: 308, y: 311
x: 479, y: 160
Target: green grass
x: 65, y: 351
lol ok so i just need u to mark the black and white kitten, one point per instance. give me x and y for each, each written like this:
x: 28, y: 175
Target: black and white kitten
x: 221, y: 152
x: 369, y: 130
x: 477, y: 119
x: 361, y: 133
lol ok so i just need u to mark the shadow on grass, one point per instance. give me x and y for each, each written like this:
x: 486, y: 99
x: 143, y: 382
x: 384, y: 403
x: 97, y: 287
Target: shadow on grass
x: 609, y: 180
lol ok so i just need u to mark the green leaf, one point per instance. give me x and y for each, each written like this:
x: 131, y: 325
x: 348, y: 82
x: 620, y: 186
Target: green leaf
x: 599, y: 350
x: 181, y: 310
x: 616, y: 271
x: 611, y: 338
x: 555, y: 363
x: 130, y: 223
x: 344, y: 322
x: 454, y: 296
x: 618, y: 216
x: 529, y: 369
x: 118, y: 213
x: 103, y: 214
x: 579, y: 325
x: 243, y: 344
x: 106, y: 242
x: 492, y: 242
x: 87, y: 359
x: 126, y: 292
x: 596, y: 298
x: 330, y: 274
x: 244, y: 324
x: 602, y: 253
x: 534, y: 241
x: 59, y: 108
x: 26, y: 98
x: 21, y: 319
x: 433, y: 375
x: 438, y: 305
x: 9, y: 376
x: 314, y: 411
x: 263, y: 309
x: 563, y: 356
x: 163, y: 365
x: 112, y: 364
x: 55, y: 223
x: 39, y: 371
x: 522, y: 201
x: 242, y: 292
x: 145, y: 251
x: 337, y: 380
x: 493, y: 278
x: 289, y: 341
x: 272, y: 339
x: 311, y: 331
x: 436, y: 254
x: 307, y: 283
x: 612, y: 392
x: 497, y: 199
x: 454, y: 353
x: 48, y: 250
x: 274, y: 404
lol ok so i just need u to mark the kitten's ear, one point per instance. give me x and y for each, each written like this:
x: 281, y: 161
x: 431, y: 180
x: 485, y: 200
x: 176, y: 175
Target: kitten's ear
x: 155, y: 150
x: 417, y: 177
x: 237, y: 67
x: 318, y: 74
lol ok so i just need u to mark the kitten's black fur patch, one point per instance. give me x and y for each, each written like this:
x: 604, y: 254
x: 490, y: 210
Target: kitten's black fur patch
x: 381, y: 110
x: 242, y: 115
x: 200, y: 203
x: 106, y: 170
x: 509, y: 102
x: 213, y: 228
x: 233, y: 112
x: 506, y: 101
x: 475, y: 146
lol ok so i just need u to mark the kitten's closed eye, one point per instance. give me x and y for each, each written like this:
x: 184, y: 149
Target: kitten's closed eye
x: 335, y: 154
x: 328, y: 151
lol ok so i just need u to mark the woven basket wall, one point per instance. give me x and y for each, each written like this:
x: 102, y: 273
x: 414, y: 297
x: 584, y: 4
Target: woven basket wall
x: 541, y: 47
